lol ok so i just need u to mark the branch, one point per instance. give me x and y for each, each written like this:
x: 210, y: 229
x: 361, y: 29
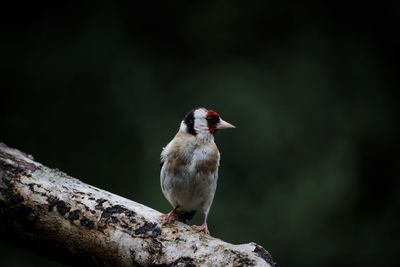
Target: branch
x: 64, y: 219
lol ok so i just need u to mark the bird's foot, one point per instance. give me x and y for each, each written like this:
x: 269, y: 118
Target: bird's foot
x: 169, y: 217
x: 201, y: 228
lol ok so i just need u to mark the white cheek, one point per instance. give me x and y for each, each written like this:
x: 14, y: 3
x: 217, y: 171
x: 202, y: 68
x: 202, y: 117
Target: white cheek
x: 200, y: 123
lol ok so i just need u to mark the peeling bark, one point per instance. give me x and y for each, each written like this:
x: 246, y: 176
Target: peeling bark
x: 66, y: 220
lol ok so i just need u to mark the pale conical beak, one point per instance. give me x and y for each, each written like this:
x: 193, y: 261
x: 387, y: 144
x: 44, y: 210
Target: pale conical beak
x: 224, y: 125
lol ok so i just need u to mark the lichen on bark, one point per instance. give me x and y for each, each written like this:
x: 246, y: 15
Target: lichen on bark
x: 75, y: 223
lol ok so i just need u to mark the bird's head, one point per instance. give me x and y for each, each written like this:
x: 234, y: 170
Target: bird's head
x: 203, y: 122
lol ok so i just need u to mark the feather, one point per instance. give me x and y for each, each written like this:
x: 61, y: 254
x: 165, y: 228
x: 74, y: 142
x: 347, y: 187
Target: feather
x: 161, y: 164
x: 185, y: 216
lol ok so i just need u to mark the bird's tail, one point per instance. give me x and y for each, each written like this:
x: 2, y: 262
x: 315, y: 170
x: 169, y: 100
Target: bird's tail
x: 185, y: 216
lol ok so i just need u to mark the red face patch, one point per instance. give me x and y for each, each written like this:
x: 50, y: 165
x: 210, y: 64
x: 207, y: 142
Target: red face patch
x: 213, y: 119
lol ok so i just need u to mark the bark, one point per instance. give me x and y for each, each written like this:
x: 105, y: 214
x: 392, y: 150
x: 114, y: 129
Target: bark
x: 64, y: 219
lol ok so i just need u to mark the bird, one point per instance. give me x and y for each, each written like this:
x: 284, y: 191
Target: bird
x: 189, y: 166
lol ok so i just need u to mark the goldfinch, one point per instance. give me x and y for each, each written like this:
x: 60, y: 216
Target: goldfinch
x: 189, y: 166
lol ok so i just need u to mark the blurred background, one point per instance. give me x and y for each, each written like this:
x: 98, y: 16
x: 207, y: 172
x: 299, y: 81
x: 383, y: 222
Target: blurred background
x: 311, y: 172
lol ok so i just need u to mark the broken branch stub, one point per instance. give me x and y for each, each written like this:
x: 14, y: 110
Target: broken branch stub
x: 66, y: 220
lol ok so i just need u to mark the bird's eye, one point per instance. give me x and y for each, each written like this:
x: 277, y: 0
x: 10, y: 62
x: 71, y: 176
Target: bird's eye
x: 212, y: 120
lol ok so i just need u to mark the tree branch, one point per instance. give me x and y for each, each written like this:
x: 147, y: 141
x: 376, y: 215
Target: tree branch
x: 64, y: 219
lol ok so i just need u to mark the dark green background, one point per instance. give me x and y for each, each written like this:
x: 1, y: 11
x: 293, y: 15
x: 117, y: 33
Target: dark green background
x: 312, y: 170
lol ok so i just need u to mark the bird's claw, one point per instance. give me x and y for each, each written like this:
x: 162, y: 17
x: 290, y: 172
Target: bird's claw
x: 169, y: 217
x: 201, y: 228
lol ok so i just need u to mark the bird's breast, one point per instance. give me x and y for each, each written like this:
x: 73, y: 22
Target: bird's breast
x: 205, y: 160
x: 189, y: 174
x: 191, y: 157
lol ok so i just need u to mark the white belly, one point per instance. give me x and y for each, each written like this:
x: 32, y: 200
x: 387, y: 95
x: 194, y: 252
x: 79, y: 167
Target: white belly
x: 189, y: 192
